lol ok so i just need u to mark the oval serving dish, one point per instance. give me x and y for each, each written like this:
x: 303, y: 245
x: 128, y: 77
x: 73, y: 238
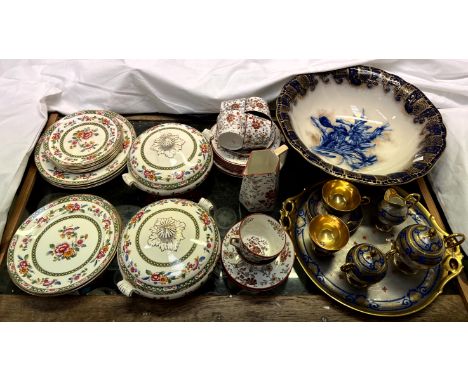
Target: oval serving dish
x: 168, y: 249
x: 362, y: 124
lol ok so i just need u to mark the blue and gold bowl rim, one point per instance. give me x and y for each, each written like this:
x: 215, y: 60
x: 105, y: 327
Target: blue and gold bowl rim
x: 414, y: 101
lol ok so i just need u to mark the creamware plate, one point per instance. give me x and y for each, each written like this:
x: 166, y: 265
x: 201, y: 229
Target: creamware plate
x: 397, y: 294
x: 64, y: 245
x: 256, y: 277
x: 68, y: 180
x: 168, y: 248
x: 82, y: 140
x: 362, y: 124
x: 169, y: 159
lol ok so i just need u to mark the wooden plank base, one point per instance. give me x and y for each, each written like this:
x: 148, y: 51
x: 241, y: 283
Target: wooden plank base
x: 206, y: 308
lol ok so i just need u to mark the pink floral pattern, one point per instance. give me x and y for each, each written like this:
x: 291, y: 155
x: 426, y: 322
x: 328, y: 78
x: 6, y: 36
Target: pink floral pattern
x: 81, y: 138
x: 67, y: 250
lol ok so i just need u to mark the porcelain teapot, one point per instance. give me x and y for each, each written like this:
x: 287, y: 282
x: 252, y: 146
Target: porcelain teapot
x: 420, y: 247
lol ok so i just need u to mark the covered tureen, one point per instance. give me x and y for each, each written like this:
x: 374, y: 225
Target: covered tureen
x: 168, y: 249
x: 169, y: 159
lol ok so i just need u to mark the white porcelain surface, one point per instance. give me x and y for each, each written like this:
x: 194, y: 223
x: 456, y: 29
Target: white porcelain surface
x: 394, y: 147
x: 255, y: 277
x: 64, y: 245
x: 169, y: 247
x: 169, y: 159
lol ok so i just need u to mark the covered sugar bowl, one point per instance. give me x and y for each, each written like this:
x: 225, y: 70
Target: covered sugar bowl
x: 365, y: 265
x: 419, y: 247
x: 168, y: 249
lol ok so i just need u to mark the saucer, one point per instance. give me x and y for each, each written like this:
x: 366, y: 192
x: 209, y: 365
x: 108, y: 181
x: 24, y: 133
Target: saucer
x: 256, y: 277
x: 315, y: 206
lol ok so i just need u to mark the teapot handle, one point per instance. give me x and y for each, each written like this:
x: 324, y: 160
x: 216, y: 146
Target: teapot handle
x: 412, y: 199
x: 454, y: 240
x: 392, y: 251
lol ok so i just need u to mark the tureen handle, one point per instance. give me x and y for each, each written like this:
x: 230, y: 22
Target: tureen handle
x: 206, y: 205
x: 207, y: 134
x: 128, y: 179
x: 125, y: 287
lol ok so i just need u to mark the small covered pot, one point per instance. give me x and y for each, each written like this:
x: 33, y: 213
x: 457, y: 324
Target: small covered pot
x: 365, y: 265
x: 169, y: 159
x: 420, y: 247
x: 168, y: 249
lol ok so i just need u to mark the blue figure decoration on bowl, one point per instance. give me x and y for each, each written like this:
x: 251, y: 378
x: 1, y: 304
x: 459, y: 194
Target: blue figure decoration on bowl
x: 348, y: 139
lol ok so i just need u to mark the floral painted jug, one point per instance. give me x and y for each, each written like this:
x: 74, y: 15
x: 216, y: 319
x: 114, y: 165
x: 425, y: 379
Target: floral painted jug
x: 260, y: 180
x: 393, y: 209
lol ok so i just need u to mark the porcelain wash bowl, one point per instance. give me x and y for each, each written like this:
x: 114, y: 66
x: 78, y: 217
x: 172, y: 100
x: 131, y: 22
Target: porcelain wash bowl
x: 362, y: 124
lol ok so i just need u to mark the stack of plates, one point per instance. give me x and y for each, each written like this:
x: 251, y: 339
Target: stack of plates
x: 84, y: 149
x: 233, y: 162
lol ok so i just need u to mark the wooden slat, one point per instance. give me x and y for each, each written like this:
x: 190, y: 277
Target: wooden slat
x: 153, y: 117
x: 19, y: 204
x: 206, y: 308
x: 433, y: 210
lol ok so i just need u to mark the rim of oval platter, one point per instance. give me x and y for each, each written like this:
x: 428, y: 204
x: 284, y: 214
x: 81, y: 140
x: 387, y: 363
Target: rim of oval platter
x: 183, y: 250
x: 417, y: 112
x: 165, y: 188
x: 97, y: 177
x: 231, y: 157
x: 107, y: 148
x: 99, y: 268
x: 289, y: 262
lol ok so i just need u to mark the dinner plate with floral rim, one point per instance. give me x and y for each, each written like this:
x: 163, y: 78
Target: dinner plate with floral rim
x: 168, y: 159
x: 64, y: 245
x: 362, y: 124
x: 168, y: 248
x: 251, y: 276
x: 82, y: 139
x: 70, y: 180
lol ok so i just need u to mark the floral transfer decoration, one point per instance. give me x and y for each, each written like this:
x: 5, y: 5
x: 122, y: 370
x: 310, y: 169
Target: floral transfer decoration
x: 166, y: 233
x: 167, y: 144
x: 67, y: 250
x: 349, y: 140
x: 82, y: 139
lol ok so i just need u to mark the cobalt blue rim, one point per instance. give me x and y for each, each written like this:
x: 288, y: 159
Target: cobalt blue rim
x: 414, y: 102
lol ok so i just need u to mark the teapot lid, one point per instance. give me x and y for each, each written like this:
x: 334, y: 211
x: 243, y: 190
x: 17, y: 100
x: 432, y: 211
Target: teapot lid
x: 170, y: 158
x: 425, y: 238
x: 168, y: 246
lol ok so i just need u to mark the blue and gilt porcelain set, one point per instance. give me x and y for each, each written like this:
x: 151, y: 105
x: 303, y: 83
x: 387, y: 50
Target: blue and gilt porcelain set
x: 382, y: 255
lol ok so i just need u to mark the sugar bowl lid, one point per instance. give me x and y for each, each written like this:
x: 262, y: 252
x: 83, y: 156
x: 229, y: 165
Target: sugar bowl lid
x: 368, y: 260
x: 168, y: 247
x: 169, y: 158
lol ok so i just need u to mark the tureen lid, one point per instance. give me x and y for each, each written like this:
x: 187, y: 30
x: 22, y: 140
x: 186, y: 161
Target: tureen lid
x: 169, y: 245
x: 170, y: 157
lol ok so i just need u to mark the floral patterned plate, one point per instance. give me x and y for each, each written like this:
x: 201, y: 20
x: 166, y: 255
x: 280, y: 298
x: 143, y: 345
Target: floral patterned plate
x: 169, y: 159
x: 64, y: 245
x: 231, y: 162
x: 82, y: 140
x: 253, y: 276
x: 168, y: 249
x: 70, y: 180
